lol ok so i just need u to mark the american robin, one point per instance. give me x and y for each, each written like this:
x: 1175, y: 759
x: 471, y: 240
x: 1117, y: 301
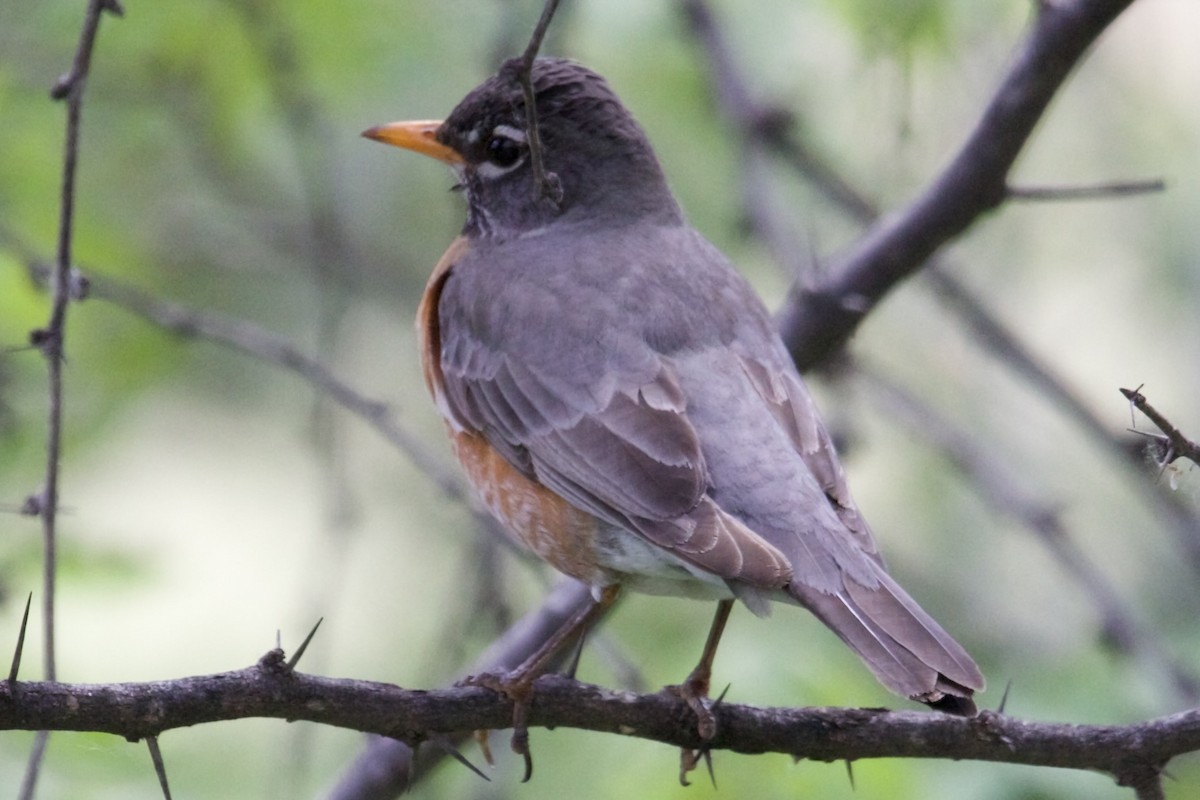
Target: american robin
x: 618, y: 396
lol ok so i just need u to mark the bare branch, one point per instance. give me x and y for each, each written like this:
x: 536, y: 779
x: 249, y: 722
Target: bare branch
x: 387, y: 767
x: 1099, y: 191
x: 270, y: 690
x: 50, y: 340
x: 820, y: 318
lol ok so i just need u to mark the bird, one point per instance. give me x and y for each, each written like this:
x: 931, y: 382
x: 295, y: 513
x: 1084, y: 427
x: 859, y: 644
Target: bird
x: 619, y: 398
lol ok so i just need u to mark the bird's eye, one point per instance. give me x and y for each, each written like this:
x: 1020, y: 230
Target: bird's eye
x: 502, y: 150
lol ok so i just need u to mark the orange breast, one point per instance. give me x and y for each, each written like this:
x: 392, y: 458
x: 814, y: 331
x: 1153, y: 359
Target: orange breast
x: 557, y: 532
x: 533, y: 515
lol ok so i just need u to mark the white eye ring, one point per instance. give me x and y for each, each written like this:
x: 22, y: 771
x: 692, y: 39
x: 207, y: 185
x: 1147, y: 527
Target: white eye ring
x: 506, y: 135
x: 516, y: 134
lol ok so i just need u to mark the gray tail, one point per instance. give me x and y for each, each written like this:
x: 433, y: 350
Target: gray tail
x: 906, y: 649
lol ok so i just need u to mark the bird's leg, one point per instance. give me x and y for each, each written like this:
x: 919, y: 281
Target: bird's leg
x: 518, y: 684
x: 694, y: 690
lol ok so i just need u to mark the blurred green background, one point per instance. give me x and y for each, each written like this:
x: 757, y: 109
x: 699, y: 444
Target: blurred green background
x: 209, y: 500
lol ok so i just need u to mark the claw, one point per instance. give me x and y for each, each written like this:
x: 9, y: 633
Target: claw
x: 695, y: 693
x: 690, y: 759
x: 485, y: 747
x: 519, y: 689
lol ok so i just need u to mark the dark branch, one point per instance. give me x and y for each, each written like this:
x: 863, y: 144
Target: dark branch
x: 387, y: 767
x: 270, y: 690
x: 820, y: 318
x: 51, y: 341
x: 548, y: 186
x: 1099, y: 191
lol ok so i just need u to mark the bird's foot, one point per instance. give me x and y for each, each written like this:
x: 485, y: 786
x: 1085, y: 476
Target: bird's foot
x: 694, y: 692
x: 517, y: 687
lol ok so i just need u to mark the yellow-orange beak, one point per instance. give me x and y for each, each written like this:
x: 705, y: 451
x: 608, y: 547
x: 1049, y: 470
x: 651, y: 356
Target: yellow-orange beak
x: 417, y: 136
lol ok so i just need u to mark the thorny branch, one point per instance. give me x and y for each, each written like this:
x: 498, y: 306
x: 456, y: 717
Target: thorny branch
x: 1173, y: 444
x: 271, y: 690
x: 51, y: 341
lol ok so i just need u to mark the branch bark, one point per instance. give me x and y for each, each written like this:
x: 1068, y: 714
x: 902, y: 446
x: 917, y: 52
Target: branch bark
x: 269, y: 689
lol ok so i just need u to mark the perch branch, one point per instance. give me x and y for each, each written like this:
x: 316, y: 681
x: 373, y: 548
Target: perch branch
x: 1131, y: 753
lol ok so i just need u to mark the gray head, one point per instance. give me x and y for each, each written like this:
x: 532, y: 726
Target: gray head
x: 602, y: 159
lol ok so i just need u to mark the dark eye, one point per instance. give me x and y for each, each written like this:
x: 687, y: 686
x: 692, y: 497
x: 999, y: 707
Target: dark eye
x: 502, y: 151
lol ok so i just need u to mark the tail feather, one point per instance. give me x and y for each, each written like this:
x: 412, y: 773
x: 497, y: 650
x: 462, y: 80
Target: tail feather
x: 901, y: 644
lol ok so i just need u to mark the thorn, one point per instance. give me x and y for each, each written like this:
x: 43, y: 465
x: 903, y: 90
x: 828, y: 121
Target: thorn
x: 447, y: 746
x: 159, y: 768
x: 485, y: 747
x: 1131, y: 395
x: 113, y: 7
x: 33, y: 505
x: 16, y: 661
x: 1004, y: 697
x: 62, y: 86
x: 712, y: 776
x: 291, y: 662
x: 850, y: 773
x: 40, y: 338
x: 278, y: 639
x: 79, y: 285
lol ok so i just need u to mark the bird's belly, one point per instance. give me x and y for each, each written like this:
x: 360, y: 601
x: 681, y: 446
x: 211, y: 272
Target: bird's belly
x: 640, y: 566
x: 573, y: 541
x: 532, y: 515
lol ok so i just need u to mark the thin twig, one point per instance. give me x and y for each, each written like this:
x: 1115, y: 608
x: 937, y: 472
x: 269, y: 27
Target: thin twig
x: 1098, y: 191
x: 820, y: 318
x: 1177, y: 445
x: 51, y: 341
x: 547, y: 184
